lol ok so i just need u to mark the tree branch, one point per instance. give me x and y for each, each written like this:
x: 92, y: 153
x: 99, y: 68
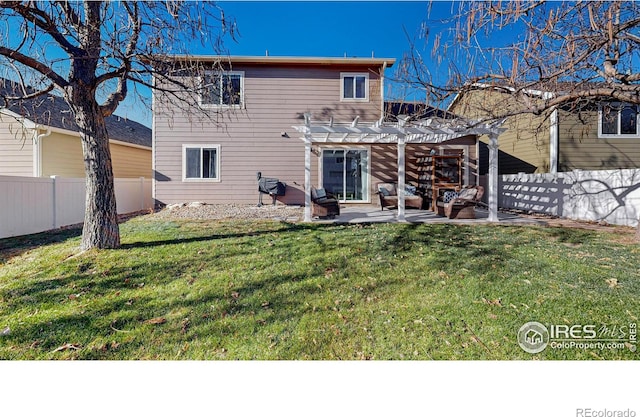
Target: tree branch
x: 36, y: 65
x: 29, y: 96
x: 44, y: 21
x: 71, y: 14
x: 122, y: 73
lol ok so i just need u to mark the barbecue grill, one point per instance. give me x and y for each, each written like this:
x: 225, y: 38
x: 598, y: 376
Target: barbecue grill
x: 272, y: 186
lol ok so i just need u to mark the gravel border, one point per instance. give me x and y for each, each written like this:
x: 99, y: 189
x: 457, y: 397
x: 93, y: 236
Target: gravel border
x: 203, y: 211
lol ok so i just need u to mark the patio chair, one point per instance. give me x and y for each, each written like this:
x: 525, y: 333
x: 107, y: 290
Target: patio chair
x: 323, y: 204
x: 460, y: 205
x: 388, y: 193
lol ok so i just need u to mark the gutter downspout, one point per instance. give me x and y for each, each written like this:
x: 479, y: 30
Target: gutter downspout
x: 554, y: 142
x: 37, y: 149
x: 384, y: 67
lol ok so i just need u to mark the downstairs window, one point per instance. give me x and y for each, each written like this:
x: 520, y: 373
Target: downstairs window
x: 201, y: 162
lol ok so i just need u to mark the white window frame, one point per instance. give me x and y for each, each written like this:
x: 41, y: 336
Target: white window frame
x: 619, y: 106
x: 201, y: 147
x: 346, y: 149
x: 201, y: 81
x: 354, y: 75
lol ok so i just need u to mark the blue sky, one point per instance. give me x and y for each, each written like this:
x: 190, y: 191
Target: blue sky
x: 333, y: 29
x: 324, y: 28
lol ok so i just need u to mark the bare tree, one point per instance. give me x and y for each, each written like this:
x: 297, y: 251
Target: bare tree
x: 579, y: 52
x: 93, y: 53
x: 541, y: 55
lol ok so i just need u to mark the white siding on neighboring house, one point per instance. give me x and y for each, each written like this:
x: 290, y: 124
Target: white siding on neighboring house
x: 16, y: 147
x: 58, y: 152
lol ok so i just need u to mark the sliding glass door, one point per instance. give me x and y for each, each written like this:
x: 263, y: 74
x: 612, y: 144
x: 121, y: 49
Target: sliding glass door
x: 345, y: 173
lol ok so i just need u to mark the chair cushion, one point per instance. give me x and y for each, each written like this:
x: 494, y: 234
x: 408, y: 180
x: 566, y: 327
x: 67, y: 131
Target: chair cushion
x: 321, y: 193
x: 409, y: 190
x: 384, y: 191
x: 468, y: 193
x: 448, y: 196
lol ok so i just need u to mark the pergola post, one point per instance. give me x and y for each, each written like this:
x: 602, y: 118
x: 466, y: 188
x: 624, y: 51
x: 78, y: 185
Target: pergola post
x: 493, y: 177
x: 307, y: 180
x: 402, y: 121
x: 401, y: 178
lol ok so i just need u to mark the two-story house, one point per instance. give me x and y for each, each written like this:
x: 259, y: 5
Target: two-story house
x: 251, y: 108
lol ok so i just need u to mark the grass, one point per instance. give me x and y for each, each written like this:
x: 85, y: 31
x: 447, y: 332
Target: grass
x: 268, y: 290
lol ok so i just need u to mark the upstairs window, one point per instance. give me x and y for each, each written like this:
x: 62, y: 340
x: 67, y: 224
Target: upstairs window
x: 618, y: 120
x: 354, y: 86
x: 201, y: 162
x: 222, y: 89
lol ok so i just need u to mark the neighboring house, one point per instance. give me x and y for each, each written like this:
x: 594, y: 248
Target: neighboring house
x: 416, y: 110
x: 603, y: 136
x: 38, y: 138
x: 253, y: 105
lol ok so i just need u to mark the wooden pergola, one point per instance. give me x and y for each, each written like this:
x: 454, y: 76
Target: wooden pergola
x: 401, y: 133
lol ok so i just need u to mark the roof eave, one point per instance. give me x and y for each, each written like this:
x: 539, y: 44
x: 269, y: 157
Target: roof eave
x: 26, y: 122
x: 281, y: 60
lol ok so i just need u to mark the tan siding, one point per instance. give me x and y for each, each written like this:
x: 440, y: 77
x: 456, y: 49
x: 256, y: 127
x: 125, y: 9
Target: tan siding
x: 16, y: 148
x: 62, y: 156
x: 250, y: 138
x: 580, y: 147
x: 524, y: 147
x: 130, y: 162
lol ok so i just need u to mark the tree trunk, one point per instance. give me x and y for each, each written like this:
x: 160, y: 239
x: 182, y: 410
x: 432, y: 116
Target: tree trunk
x: 638, y: 232
x: 100, y: 217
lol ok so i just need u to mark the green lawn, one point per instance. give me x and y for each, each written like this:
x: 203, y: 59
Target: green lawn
x: 269, y: 290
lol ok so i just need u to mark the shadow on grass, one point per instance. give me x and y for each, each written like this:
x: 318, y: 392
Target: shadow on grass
x: 15, y: 246
x: 287, y: 227
x: 244, y: 304
x: 451, y: 246
x: 572, y: 236
x: 240, y: 303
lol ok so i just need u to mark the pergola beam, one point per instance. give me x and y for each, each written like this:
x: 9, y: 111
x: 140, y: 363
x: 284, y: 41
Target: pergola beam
x: 413, y: 135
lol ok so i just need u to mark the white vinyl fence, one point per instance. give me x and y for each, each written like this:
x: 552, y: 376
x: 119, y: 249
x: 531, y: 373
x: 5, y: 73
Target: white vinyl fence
x: 612, y: 196
x: 32, y: 205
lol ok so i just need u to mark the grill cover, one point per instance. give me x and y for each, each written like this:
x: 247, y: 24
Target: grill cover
x: 271, y: 186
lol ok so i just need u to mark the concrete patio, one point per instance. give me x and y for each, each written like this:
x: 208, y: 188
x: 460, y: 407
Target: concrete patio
x: 372, y: 214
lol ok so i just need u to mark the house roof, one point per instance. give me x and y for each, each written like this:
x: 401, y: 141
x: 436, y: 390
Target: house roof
x: 280, y: 60
x: 51, y: 110
x: 416, y: 110
x: 550, y: 91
